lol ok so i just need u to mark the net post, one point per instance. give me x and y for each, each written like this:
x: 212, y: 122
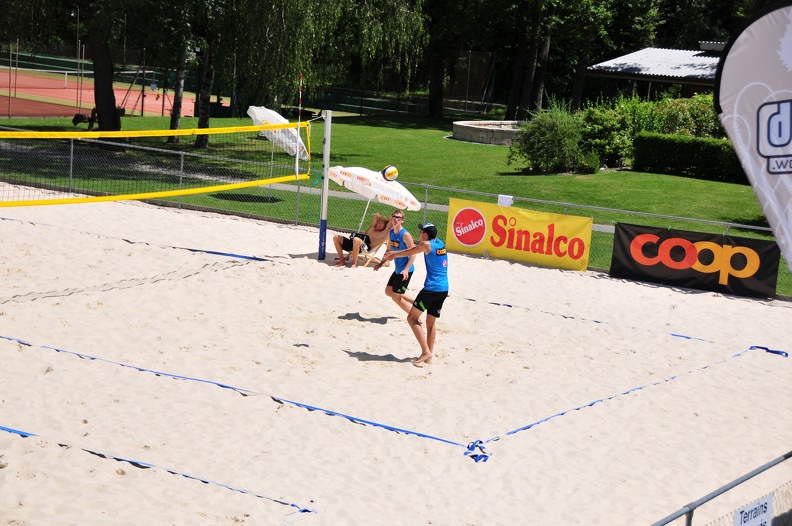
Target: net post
x: 328, y: 118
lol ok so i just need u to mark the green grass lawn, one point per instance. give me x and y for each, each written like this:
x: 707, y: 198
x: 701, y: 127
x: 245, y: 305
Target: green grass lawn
x: 423, y: 152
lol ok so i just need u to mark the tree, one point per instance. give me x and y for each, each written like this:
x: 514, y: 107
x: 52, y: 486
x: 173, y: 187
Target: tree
x: 178, y: 91
x: 164, y: 29
x: 102, y: 25
x: 533, y: 29
x: 256, y: 51
x: 589, y: 31
x: 52, y: 22
x: 587, y: 26
x: 448, y: 27
x: 209, y: 29
x: 32, y: 25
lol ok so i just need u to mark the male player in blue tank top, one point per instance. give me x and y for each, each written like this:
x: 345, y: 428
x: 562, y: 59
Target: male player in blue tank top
x: 400, y: 239
x: 434, y: 292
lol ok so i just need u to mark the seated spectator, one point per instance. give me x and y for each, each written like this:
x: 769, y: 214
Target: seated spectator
x: 376, y: 232
x: 92, y: 119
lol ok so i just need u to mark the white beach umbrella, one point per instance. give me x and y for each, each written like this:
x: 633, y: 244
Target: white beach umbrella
x: 287, y: 138
x: 372, y: 185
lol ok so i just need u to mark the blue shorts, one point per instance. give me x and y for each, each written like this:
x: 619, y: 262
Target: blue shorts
x: 431, y: 302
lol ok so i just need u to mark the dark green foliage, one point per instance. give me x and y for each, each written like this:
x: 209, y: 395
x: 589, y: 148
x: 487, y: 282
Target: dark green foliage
x: 694, y: 116
x: 700, y: 158
x: 590, y: 162
x: 549, y: 140
x: 606, y: 130
x: 692, y: 143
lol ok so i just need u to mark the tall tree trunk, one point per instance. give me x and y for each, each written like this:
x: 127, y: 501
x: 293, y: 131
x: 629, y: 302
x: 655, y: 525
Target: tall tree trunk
x: 104, y: 96
x: 530, y: 67
x: 436, y: 74
x: 580, y: 70
x: 205, y: 97
x: 178, y: 93
x: 519, y: 62
x: 539, y: 81
x: 527, y: 84
x: 517, y: 83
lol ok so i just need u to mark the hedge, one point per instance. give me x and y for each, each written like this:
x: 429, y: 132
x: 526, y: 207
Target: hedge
x: 699, y: 158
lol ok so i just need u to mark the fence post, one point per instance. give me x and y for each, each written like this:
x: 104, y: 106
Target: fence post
x: 426, y: 201
x: 181, y: 175
x: 71, y: 164
x: 690, y: 508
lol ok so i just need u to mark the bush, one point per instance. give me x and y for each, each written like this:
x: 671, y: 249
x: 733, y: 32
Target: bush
x: 549, y: 140
x: 609, y: 127
x: 700, y: 158
x: 558, y: 140
x: 694, y: 117
x: 590, y: 162
x: 605, y: 131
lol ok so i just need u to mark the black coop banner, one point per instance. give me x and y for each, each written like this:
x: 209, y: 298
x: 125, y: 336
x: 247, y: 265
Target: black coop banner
x: 728, y: 264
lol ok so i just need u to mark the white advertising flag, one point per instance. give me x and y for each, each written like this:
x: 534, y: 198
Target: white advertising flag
x: 753, y: 98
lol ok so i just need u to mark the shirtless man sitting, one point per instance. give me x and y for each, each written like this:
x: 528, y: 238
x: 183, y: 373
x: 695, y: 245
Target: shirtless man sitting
x: 376, y: 232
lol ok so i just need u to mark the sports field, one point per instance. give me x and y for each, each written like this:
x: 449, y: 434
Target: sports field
x: 28, y: 93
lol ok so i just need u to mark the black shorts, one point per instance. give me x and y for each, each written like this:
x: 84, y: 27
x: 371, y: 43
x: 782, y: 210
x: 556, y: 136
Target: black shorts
x: 347, y: 245
x: 431, y: 302
x: 398, y: 284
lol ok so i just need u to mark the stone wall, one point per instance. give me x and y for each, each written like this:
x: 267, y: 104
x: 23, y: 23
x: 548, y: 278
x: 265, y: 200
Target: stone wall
x: 486, y: 132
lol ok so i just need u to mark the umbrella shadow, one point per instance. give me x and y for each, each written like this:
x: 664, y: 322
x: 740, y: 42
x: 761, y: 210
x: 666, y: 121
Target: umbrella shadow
x: 245, y: 198
x: 368, y: 357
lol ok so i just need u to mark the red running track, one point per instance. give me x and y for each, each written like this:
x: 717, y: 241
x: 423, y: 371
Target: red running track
x: 62, y: 101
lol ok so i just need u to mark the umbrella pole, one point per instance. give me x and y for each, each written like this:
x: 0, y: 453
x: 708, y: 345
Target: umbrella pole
x: 364, y: 215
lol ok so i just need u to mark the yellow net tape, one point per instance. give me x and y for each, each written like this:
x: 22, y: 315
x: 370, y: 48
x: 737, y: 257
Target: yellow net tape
x: 145, y: 133
x: 155, y: 195
x: 10, y: 135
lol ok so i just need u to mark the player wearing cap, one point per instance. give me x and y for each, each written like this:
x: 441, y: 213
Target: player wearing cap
x: 434, y: 292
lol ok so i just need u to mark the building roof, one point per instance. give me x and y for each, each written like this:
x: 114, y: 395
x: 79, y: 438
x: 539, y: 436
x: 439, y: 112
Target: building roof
x: 677, y: 66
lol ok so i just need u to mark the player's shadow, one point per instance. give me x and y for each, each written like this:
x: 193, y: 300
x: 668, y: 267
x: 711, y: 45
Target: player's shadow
x: 368, y: 357
x: 381, y: 320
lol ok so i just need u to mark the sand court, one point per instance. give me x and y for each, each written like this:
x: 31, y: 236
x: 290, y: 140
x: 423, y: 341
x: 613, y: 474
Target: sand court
x: 285, y: 386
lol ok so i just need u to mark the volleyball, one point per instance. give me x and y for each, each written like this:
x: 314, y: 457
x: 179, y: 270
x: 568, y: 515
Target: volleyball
x: 390, y: 173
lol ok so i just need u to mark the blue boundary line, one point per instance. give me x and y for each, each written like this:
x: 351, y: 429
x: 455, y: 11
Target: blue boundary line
x: 244, y: 392
x: 567, y: 317
x: 476, y: 450
x: 210, y: 252
x: 146, y: 465
x: 481, y: 443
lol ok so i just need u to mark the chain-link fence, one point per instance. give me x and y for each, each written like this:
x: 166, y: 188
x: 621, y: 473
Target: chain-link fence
x: 110, y: 169
x: 349, y: 212
x: 346, y: 213
x: 774, y: 509
x: 782, y: 509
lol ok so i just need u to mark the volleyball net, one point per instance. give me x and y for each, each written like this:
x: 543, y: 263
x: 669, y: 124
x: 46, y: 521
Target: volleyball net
x: 234, y: 168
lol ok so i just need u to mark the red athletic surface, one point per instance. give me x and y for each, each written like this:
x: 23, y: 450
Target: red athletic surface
x: 63, y: 101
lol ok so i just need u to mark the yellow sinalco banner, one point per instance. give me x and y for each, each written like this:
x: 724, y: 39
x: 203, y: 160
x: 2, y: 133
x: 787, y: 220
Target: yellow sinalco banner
x: 506, y: 232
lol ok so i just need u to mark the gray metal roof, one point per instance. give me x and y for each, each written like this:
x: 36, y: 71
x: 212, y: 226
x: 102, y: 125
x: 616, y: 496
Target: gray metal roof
x: 678, y: 66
